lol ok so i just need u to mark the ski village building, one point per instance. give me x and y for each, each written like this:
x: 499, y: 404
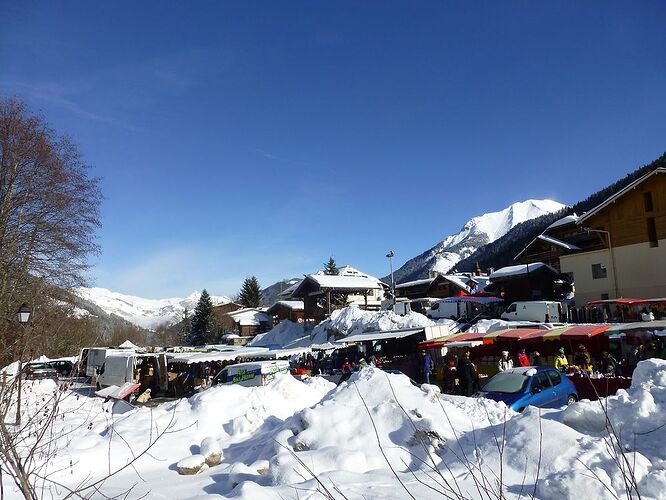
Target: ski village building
x: 617, y: 249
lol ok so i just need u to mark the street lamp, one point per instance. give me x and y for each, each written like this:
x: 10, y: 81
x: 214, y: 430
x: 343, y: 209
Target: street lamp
x: 24, y: 314
x: 23, y: 318
x: 390, y: 256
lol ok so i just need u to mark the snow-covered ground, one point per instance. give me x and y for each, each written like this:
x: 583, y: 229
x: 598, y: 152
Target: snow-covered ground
x: 375, y: 437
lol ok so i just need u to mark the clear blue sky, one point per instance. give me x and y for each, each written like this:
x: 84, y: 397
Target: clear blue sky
x: 239, y: 138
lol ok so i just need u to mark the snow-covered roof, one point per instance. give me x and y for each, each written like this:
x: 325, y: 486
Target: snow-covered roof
x: 341, y: 282
x: 406, y: 284
x: 620, y: 193
x: 519, y: 270
x: 128, y: 345
x: 294, y: 305
x: 559, y: 243
x: 203, y: 357
x: 569, y: 219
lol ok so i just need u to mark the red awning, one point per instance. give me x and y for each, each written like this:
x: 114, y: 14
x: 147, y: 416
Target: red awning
x: 621, y: 302
x: 521, y: 333
x: 583, y: 332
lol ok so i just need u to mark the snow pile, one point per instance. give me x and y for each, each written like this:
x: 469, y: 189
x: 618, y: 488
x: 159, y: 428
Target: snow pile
x: 342, y: 323
x: 146, y: 313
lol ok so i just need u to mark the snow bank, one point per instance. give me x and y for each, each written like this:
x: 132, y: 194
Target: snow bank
x: 342, y: 323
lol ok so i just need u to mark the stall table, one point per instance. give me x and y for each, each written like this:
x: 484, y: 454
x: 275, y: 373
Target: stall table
x: 595, y: 388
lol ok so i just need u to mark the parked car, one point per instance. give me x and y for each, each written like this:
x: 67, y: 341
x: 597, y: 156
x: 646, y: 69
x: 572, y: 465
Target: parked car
x: 38, y: 371
x: 541, y: 386
x: 64, y: 367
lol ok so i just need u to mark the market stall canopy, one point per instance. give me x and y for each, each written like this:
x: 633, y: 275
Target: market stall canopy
x: 281, y: 353
x: 381, y: 335
x: 627, y: 301
x: 641, y: 325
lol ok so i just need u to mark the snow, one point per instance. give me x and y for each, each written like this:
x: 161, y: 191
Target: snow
x: 569, y: 219
x: 342, y: 323
x: 146, y: 313
x: 519, y: 270
x: 477, y: 232
x: 560, y: 243
x: 356, y: 438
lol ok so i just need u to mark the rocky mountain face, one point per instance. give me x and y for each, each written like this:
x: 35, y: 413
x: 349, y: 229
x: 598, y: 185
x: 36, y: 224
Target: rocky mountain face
x: 476, y: 233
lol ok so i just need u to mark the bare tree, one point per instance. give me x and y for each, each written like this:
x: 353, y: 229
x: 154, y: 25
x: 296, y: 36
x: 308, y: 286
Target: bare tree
x: 49, y: 212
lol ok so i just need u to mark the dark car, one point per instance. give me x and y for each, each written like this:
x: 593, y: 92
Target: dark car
x: 540, y: 386
x: 64, y: 367
x: 38, y: 371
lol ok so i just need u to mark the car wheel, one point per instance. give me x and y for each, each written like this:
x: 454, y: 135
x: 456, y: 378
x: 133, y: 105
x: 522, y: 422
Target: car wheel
x: 571, y: 399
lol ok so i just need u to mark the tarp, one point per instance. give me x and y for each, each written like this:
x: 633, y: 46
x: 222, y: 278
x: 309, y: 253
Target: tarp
x: 281, y: 353
x: 517, y: 333
x: 641, y: 325
x: 379, y: 335
x: 627, y: 301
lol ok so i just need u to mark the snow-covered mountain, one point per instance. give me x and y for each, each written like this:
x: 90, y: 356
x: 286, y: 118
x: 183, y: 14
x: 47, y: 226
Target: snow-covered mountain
x: 475, y: 233
x: 146, y: 313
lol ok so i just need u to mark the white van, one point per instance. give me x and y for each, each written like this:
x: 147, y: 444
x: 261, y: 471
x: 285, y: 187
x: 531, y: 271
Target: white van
x: 251, y: 374
x: 122, y: 367
x: 94, y: 358
x: 443, y: 309
x: 539, y: 310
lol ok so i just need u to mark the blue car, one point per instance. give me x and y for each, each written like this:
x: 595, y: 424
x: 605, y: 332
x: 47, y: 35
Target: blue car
x: 540, y: 386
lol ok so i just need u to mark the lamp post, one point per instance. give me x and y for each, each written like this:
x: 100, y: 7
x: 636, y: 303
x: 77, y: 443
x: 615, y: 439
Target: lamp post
x: 23, y: 318
x: 390, y: 256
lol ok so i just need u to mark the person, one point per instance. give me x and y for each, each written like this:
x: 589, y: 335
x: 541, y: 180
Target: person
x: 561, y: 361
x: 608, y: 364
x: 347, y: 370
x: 523, y: 359
x: 537, y: 360
x: 650, y: 350
x: 427, y: 367
x: 647, y: 315
x: 505, y: 362
x: 582, y: 359
x: 450, y: 375
x: 466, y: 374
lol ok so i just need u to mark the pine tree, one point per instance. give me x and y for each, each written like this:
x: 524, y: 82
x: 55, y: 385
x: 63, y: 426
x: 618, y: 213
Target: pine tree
x: 331, y: 268
x: 250, y: 293
x: 185, y: 327
x: 201, y: 321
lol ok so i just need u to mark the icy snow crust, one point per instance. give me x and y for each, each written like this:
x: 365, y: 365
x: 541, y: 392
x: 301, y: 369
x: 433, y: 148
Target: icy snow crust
x: 275, y: 439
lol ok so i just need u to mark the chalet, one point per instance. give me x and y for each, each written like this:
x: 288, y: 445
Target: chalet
x: 322, y: 293
x: 536, y: 281
x: 442, y: 286
x: 250, y: 321
x: 629, y: 250
x: 286, y: 309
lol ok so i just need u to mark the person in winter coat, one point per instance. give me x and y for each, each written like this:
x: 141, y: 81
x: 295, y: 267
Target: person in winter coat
x: 537, y: 360
x: 582, y: 358
x: 466, y: 374
x: 427, y: 366
x: 608, y: 364
x: 523, y: 359
x: 561, y: 361
x: 347, y: 370
x: 505, y: 362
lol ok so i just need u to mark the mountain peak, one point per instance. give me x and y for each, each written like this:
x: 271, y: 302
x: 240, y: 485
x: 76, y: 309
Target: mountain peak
x: 476, y: 232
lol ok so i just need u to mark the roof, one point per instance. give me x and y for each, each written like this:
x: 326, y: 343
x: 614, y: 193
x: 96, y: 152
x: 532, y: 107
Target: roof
x: 289, y: 290
x: 619, y: 194
x: 294, y: 305
x: 407, y: 284
x: 329, y: 282
x: 519, y: 270
x: 569, y: 219
x: 559, y: 243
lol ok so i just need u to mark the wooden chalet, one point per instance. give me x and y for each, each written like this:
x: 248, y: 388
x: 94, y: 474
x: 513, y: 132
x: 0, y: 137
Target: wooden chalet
x: 536, y: 281
x: 442, y: 286
x: 293, y: 310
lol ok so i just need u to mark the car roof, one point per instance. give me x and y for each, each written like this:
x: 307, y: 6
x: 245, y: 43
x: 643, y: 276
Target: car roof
x: 528, y: 371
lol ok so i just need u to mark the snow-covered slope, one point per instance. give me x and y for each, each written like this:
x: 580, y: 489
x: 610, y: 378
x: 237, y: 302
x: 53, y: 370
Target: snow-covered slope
x: 475, y: 233
x: 146, y: 313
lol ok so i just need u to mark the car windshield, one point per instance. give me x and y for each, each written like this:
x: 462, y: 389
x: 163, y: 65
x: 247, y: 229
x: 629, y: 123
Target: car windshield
x: 38, y: 366
x: 508, y: 383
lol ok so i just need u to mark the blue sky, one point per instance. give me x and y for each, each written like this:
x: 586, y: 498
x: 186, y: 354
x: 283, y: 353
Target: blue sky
x: 240, y: 138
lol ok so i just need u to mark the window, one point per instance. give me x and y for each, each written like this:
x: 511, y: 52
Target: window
x: 605, y: 296
x: 652, y: 232
x: 647, y: 199
x: 554, y: 377
x: 511, y: 309
x: 599, y: 271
